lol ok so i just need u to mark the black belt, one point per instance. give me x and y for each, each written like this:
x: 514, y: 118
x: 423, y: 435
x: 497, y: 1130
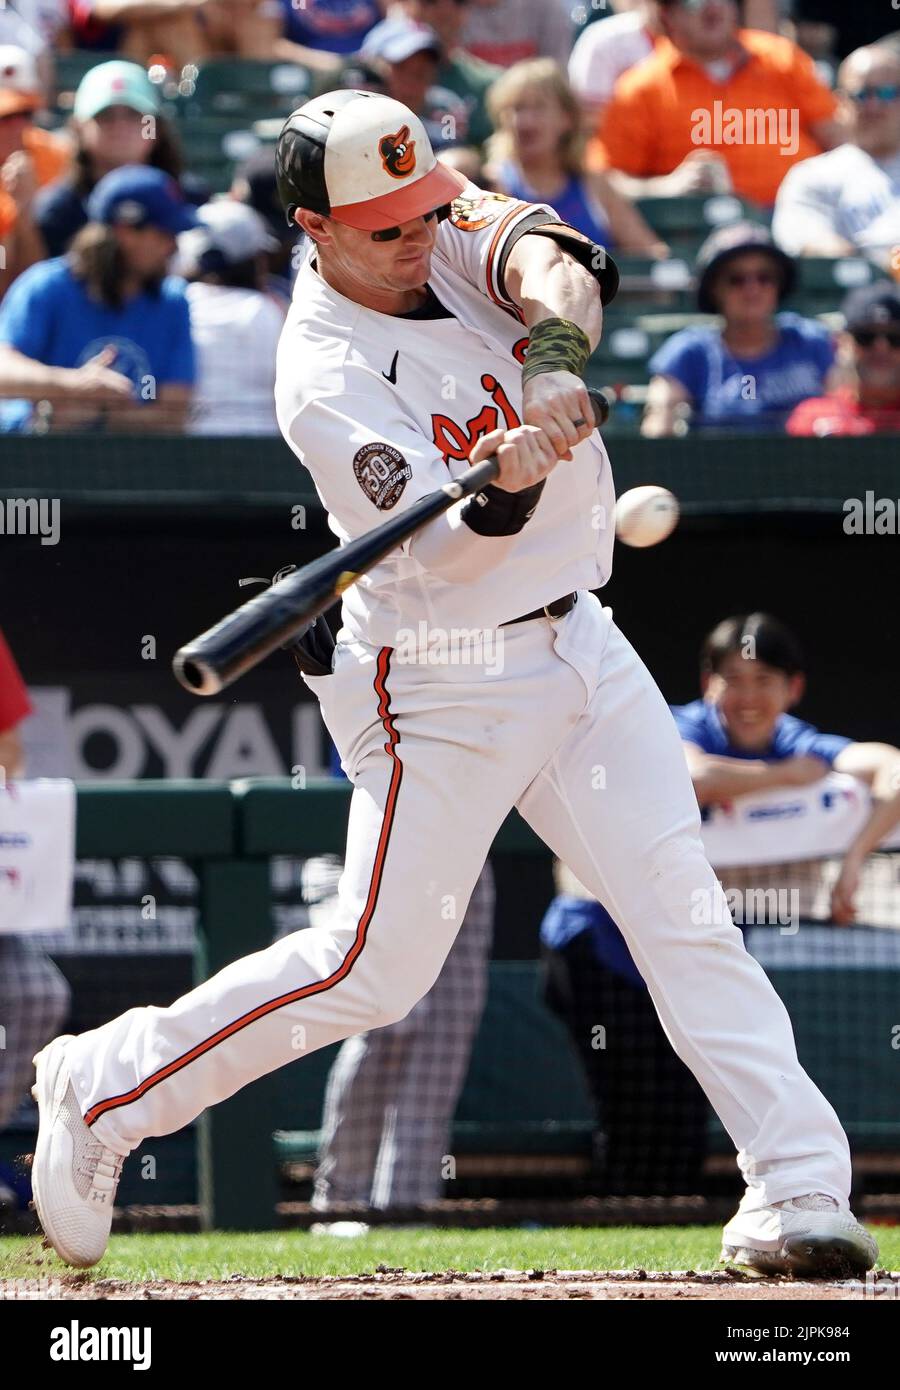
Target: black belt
x: 557, y: 609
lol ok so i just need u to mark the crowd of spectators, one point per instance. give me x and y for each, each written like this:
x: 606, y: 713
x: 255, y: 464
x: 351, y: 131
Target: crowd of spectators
x: 131, y: 294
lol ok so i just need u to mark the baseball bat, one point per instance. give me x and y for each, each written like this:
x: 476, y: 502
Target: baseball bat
x: 206, y: 665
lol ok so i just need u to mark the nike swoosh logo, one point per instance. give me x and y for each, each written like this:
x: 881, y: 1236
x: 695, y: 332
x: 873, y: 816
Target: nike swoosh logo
x: 391, y: 376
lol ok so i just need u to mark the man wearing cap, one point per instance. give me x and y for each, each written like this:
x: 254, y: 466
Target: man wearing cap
x: 29, y: 159
x: 868, y: 399
x: 847, y: 201
x: 115, y: 120
x: 435, y: 325
x: 460, y: 71
x: 406, y: 56
x: 235, y: 323
x: 101, y: 338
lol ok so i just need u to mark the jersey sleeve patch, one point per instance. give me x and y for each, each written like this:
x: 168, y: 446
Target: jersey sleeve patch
x: 382, y: 472
x: 472, y: 214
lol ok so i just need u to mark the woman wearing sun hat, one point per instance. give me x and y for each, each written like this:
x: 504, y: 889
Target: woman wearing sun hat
x: 750, y: 370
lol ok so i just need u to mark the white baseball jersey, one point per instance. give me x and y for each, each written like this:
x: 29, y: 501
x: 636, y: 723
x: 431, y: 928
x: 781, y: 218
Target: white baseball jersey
x: 384, y: 409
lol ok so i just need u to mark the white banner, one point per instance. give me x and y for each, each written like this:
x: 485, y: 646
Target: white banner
x: 787, y: 824
x: 37, y: 854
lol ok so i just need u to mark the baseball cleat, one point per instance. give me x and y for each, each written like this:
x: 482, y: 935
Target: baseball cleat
x: 812, y: 1237
x: 74, y: 1177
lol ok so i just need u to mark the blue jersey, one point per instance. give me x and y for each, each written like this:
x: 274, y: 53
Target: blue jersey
x: 748, y: 393
x: 698, y: 723
x: 572, y: 204
x: 47, y: 315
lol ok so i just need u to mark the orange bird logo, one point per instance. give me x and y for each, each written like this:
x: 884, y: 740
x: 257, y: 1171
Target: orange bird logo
x: 398, y: 153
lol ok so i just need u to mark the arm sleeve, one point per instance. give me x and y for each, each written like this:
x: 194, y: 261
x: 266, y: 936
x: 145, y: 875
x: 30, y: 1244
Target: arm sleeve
x: 805, y: 209
x: 14, y: 702
x: 25, y: 315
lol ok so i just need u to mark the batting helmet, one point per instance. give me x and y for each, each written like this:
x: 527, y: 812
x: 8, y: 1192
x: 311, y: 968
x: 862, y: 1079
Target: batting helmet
x: 363, y: 159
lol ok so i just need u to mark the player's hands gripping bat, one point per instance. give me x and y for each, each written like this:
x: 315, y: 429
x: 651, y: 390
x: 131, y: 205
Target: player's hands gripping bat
x: 266, y: 622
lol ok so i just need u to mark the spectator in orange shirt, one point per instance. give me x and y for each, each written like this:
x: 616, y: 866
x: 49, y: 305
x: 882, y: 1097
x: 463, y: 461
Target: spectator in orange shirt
x: 29, y: 158
x: 868, y: 400
x: 713, y: 107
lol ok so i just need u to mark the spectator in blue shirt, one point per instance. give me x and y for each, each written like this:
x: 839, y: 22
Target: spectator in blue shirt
x: 101, y: 338
x: 750, y: 372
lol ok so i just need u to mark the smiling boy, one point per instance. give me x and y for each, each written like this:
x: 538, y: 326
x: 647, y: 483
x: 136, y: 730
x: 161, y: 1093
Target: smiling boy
x: 740, y: 737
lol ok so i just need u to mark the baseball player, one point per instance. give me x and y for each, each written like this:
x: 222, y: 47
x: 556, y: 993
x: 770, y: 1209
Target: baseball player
x: 402, y: 360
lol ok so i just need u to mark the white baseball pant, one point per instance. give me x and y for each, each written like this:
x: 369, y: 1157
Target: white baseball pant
x: 573, y: 731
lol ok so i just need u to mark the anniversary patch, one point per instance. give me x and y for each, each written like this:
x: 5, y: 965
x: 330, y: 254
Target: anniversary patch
x: 382, y: 472
x: 471, y: 214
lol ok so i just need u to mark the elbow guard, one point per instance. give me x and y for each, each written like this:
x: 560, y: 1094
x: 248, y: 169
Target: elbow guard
x: 493, y: 512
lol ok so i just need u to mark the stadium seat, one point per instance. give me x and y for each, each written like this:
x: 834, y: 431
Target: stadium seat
x: 643, y: 282
x: 69, y: 68
x: 214, y: 146
x: 249, y: 89
x: 686, y: 222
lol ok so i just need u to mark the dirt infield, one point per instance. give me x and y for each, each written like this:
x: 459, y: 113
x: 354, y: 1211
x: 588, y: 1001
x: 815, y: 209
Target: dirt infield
x: 502, y: 1284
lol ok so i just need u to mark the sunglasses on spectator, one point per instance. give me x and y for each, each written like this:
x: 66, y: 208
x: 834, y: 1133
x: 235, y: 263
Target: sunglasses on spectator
x: 749, y: 277
x: 888, y: 92
x: 867, y: 336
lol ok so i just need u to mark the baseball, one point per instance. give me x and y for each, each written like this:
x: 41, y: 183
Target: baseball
x: 646, y: 515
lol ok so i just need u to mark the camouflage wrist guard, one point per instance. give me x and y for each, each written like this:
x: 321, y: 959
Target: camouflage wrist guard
x: 556, y: 345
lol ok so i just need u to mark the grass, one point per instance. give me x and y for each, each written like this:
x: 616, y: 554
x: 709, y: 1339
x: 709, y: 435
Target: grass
x: 266, y: 1253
